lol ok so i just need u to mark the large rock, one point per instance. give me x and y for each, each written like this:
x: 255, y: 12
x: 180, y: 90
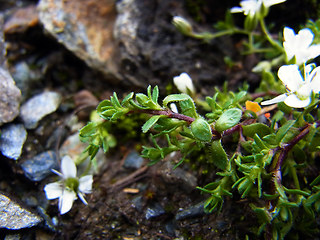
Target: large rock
x: 85, y: 28
x: 10, y: 95
x: 138, y: 45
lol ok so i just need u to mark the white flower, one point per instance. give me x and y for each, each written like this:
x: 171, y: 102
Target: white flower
x: 251, y: 7
x: 299, y: 45
x: 174, y: 108
x: 69, y: 186
x: 300, y: 89
x: 184, y: 82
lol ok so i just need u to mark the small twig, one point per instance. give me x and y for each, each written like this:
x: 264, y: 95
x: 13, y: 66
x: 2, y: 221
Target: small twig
x: 129, y: 179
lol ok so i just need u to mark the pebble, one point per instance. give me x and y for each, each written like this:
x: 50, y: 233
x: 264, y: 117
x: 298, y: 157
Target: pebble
x: 155, y: 210
x: 193, y: 211
x: 38, y: 107
x: 13, y: 216
x: 12, y: 139
x: 39, y: 167
x: 133, y: 160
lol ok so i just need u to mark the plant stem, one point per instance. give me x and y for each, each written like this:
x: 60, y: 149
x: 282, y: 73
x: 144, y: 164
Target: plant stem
x: 267, y: 34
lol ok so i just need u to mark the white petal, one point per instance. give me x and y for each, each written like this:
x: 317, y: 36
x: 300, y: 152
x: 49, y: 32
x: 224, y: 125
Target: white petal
x: 313, y: 51
x: 305, y: 37
x: 269, y: 3
x: 85, y: 184
x: 82, y: 198
x: 288, y: 34
x: 66, y: 201
x: 277, y: 99
x: 290, y: 76
x: 294, y: 101
x: 315, y: 82
x: 68, y: 167
x: 236, y: 10
x: 173, y: 107
x: 53, y: 190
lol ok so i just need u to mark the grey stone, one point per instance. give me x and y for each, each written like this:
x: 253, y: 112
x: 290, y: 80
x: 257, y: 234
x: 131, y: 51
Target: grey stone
x: 193, y: 211
x: 155, y: 210
x: 39, y: 167
x: 10, y: 97
x: 14, y: 216
x: 12, y: 139
x: 38, y: 107
x: 133, y: 160
x: 178, y: 176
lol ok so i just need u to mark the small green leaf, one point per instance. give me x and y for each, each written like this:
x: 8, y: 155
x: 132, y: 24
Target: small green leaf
x: 175, y: 98
x: 284, y: 130
x: 155, y: 94
x: 228, y: 119
x: 256, y: 128
x: 148, y: 124
x: 201, y: 129
x: 220, y: 158
x: 142, y: 99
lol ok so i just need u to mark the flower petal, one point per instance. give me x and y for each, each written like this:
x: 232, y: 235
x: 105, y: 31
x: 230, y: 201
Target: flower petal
x: 305, y: 38
x: 290, y: 76
x: 53, y: 190
x: 66, y: 201
x: 85, y: 184
x: 82, y: 198
x: 277, y: 99
x: 315, y: 82
x: 269, y: 3
x: 294, y: 101
x: 68, y: 167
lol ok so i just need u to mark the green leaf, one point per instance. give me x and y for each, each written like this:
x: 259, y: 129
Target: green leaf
x: 148, y: 124
x: 228, y: 119
x: 126, y: 100
x: 187, y: 108
x: 175, y: 98
x: 155, y: 94
x: 219, y: 156
x: 201, y: 129
x: 284, y: 130
x: 142, y: 99
x: 256, y: 128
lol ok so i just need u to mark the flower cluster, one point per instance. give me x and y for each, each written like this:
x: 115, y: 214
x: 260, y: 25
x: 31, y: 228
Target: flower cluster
x: 69, y: 186
x: 300, y: 87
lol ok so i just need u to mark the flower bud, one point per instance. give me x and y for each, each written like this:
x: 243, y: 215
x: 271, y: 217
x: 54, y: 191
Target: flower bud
x: 183, y: 83
x: 182, y: 25
x: 201, y: 129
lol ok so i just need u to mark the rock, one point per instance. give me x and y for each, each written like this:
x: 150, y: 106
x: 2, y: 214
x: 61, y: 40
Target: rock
x: 39, y: 106
x: 21, y: 20
x: 85, y: 28
x: 152, y: 51
x: 25, y: 76
x: 12, y: 139
x: 10, y: 95
x: 193, y: 211
x: 14, y: 216
x: 39, y: 167
x: 133, y: 160
x: 177, y: 176
x: 155, y: 210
